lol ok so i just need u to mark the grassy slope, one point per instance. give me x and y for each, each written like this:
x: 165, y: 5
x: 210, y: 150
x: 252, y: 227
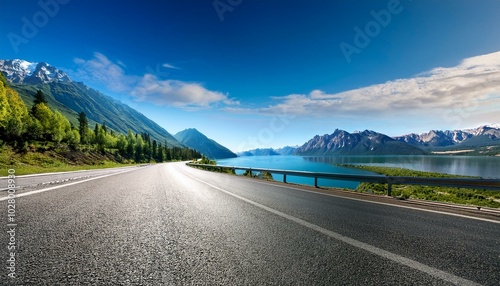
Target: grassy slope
x: 55, y: 160
x: 441, y: 194
x: 71, y: 98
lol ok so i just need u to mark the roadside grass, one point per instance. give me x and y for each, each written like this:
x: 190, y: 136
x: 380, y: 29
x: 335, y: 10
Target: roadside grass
x: 474, y: 197
x: 47, y: 162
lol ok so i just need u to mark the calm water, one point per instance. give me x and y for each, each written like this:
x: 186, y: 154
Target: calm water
x: 296, y: 163
x: 486, y: 167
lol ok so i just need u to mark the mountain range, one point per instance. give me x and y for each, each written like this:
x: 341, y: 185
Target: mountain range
x: 454, y: 139
x: 482, y: 140
x: 71, y: 98
x: 287, y: 150
x: 341, y: 142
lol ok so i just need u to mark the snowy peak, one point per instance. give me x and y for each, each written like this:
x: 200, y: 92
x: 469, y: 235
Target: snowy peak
x: 436, y: 138
x: 367, y: 142
x: 21, y: 71
x: 17, y: 70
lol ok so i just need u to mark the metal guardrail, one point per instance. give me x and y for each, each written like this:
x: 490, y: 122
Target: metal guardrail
x: 485, y: 184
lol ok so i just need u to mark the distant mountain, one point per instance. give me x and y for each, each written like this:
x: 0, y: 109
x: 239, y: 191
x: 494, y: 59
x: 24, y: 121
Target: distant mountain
x: 259, y: 152
x: 368, y: 142
x: 469, y: 138
x: 287, y: 150
x: 71, y: 97
x: 194, y: 139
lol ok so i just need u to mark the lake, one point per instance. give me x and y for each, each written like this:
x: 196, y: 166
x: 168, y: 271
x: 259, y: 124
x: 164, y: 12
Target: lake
x: 486, y: 167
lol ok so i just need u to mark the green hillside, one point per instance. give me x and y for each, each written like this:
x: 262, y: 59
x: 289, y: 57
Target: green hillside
x: 194, y: 139
x: 70, y: 98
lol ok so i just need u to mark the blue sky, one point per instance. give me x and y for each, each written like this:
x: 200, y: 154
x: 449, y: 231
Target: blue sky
x: 269, y: 73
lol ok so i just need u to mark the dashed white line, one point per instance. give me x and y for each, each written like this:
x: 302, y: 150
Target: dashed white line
x: 61, y: 186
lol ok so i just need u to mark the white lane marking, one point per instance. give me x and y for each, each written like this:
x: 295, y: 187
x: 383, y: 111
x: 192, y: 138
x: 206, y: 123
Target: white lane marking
x: 69, y: 172
x: 61, y: 186
x: 448, y: 277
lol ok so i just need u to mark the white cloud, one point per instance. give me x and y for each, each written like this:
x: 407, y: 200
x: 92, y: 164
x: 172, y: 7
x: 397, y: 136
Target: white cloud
x: 102, y: 70
x: 176, y: 93
x: 465, y: 88
x: 148, y: 87
x: 169, y: 66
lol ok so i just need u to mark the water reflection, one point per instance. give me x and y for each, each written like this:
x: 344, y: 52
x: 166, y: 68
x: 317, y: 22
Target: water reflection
x: 486, y: 167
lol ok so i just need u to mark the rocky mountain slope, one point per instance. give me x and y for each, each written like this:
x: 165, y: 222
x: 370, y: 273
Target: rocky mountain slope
x: 71, y: 97
x: 368, y: 142
x: 477, y: 137
x: 194, y: 139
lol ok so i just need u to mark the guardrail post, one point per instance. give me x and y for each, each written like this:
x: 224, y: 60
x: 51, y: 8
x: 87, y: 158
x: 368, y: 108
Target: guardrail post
x: 316, y: 182
x: 284, y: 178
x: 250, y: 171
x: 389, y: 189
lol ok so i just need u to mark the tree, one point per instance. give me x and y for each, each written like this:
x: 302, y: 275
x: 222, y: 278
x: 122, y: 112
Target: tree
x: 161, y: 154
x: 100, y: 138
x: 39, y: 99
x: 59, y: 126
x: 43, y: 114
x: 90, y: 136
x: 154, y: 151
x: 96, y: 130
x: 4, y: 105
x: 13, y: 122
x: 130, y: 144
x: 104, y: 128
x: 83, y: 127
x: 72, y: 137
x: 121, y: 144
x: 139, y: 150
x: 34, y: 129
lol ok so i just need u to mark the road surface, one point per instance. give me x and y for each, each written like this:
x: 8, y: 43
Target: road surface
x: 169, y: 224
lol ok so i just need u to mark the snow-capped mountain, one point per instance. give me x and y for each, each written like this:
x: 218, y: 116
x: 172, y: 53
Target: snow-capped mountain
x: 21, y: 71
x: 367, y: 142
x: 486, y: 134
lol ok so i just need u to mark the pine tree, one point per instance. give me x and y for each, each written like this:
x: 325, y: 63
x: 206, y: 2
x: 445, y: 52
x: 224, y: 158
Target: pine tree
x: 154, y: 151
x: 96, y: 130
x: 39, y: 99
x: 130, y: 144
x: 139, y: 150
x: 83, y: 127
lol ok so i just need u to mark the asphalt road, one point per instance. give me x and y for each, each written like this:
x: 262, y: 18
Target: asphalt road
x: 170, y: 224
x: 38, y: 181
